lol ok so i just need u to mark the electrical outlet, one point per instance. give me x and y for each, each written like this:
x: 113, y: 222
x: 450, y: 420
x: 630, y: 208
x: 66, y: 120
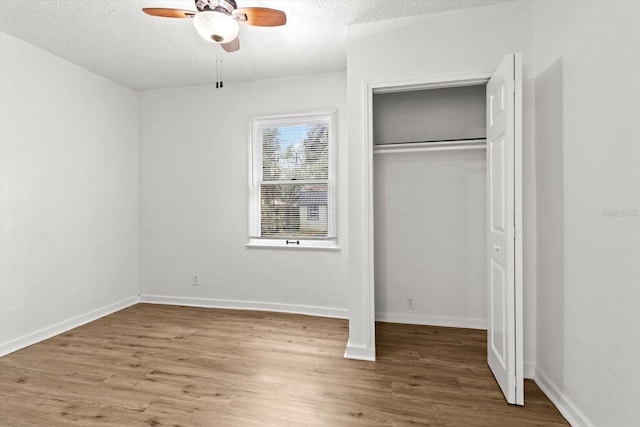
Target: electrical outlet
x: 410, y: 303
x: 196, y: 280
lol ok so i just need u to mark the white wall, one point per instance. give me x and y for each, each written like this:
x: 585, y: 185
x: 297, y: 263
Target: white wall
x: 430, y: 238
x: 461, y: 41
x: 429, y: 115
x: 193, y: 202
x: 69, y: 191
x: 430, y: 209
x: 587, y: 57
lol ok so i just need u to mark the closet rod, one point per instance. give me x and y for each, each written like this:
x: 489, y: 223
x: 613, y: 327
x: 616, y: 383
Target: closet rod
x: 405, y: 147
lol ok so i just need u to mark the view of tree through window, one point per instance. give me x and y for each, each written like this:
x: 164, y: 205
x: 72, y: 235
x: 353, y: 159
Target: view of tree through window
x: 295, y: 174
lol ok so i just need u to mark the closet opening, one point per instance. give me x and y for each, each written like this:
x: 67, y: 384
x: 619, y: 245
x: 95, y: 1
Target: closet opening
x: 399, y: 258
x: 430, y: 206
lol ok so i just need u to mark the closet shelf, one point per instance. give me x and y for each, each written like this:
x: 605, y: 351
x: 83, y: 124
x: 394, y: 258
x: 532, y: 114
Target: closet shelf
x: 445, y: 145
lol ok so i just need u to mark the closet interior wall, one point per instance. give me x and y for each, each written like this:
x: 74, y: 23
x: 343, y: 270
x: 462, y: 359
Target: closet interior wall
x: 430, y: 207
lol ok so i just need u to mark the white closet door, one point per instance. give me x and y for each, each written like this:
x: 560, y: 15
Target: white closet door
x: 504, y: 254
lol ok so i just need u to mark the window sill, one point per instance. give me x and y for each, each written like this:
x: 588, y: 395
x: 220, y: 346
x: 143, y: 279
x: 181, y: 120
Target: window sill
x: 304, y: 245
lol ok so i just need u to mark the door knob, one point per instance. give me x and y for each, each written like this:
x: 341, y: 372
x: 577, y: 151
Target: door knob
x: 496, y: 248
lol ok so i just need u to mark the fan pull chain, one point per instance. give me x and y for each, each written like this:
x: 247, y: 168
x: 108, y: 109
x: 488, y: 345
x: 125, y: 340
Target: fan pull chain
x: 217, y: 72
x: 219, y: 82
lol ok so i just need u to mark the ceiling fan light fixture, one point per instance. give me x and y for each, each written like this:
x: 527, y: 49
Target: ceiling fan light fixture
x: 216, y: 26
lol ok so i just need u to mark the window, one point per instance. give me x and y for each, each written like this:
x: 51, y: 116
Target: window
x: 313, y: 213
x: 292, y: 180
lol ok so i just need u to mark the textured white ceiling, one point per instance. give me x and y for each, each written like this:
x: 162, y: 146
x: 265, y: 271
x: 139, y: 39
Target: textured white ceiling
x: 115, y: 39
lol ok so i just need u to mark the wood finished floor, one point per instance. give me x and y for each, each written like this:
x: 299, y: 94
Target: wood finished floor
x: 179, y: 366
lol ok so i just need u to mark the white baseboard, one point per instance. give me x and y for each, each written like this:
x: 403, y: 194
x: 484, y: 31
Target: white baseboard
x: 421, y: 319
x: 308, y: 310
x: 529, y: 371
x: 58, y: 328
x: 566, y: 407
x: 359, y: 352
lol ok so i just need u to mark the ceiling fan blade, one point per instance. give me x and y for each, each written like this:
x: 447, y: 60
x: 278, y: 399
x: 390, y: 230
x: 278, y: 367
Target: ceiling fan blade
x: 260, y: 16
x: 169, y: 13
x: 232, y: 46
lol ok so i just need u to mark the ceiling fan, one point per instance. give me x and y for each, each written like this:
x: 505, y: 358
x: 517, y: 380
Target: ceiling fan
x: 217, y: 20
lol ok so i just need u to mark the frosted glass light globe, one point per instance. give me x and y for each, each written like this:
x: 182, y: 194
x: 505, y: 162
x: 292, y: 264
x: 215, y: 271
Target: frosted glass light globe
x: 216, y: 27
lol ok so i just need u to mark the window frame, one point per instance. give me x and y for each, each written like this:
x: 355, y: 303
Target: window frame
x: 256, y: 125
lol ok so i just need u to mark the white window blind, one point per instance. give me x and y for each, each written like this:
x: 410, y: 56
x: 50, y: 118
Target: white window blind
x: 292, y: 180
